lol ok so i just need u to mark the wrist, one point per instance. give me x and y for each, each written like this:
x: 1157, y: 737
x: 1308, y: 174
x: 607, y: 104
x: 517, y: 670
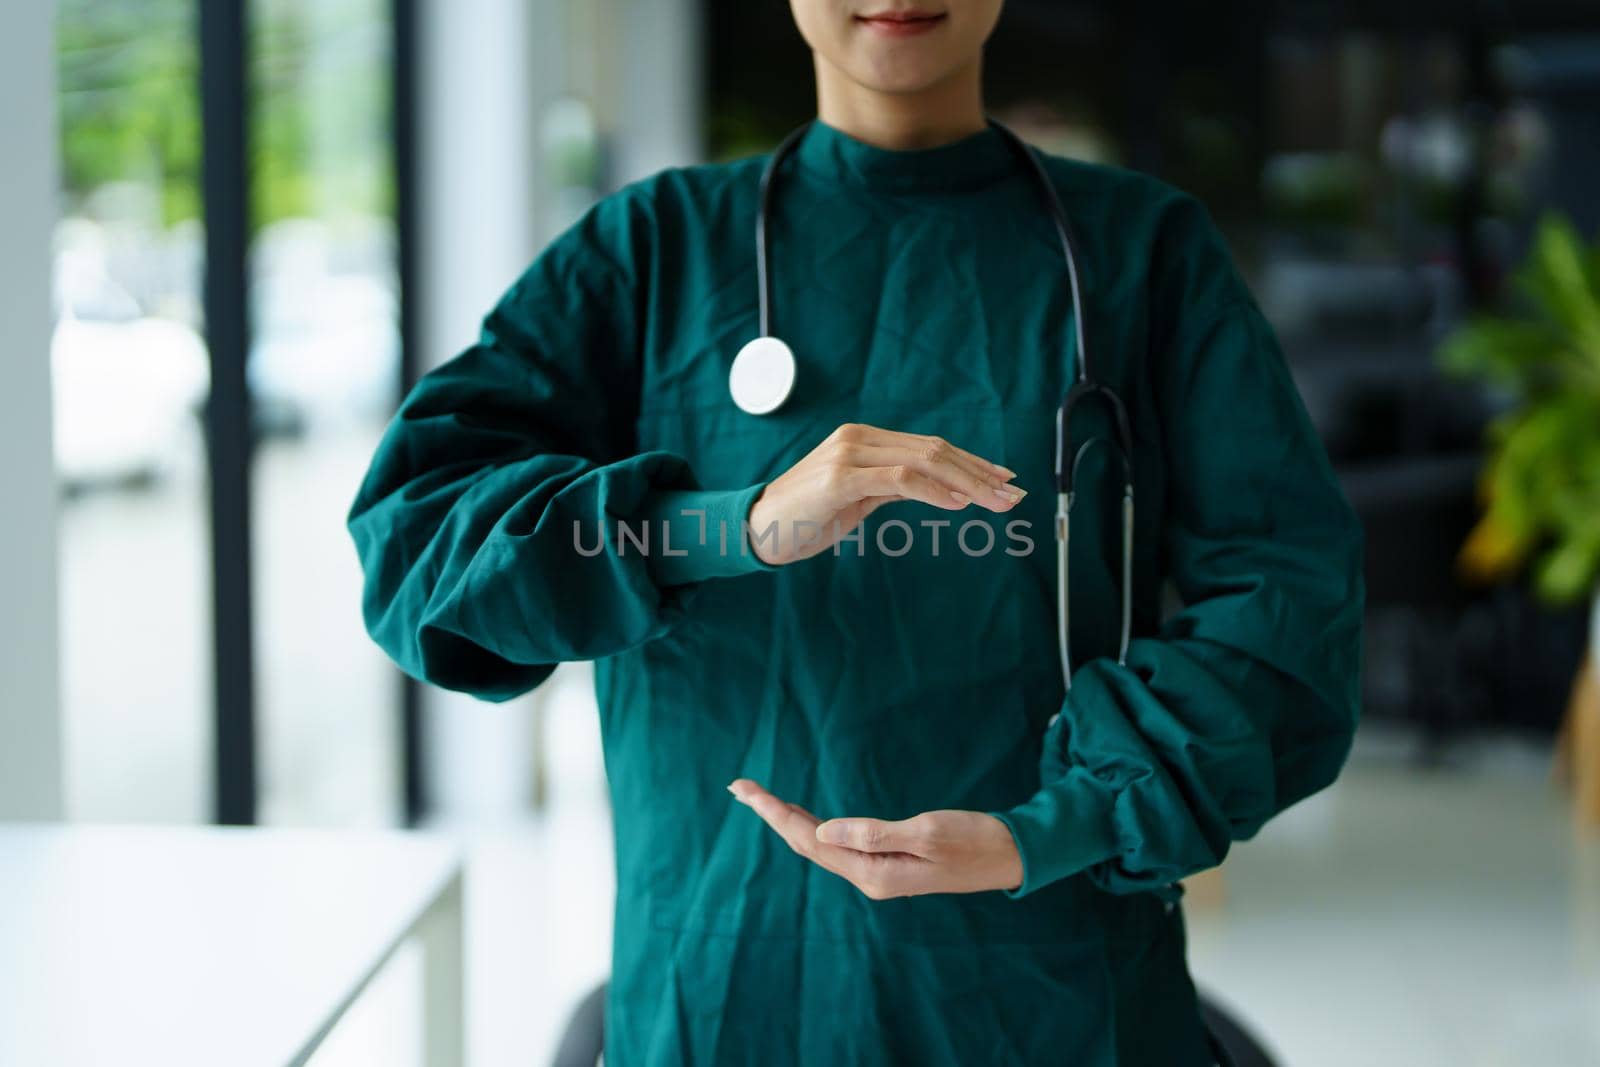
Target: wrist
x: 696, y: 534
x: 759, y: 521
x: 1064, y: 828
x: 1007, y: 863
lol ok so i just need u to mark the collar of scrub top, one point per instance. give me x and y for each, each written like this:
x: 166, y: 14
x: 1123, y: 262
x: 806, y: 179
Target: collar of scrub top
x: 1086, y: 387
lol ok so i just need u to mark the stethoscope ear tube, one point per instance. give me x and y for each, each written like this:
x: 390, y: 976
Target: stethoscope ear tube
x: 1063, y: 227
x: 1127, y: 572
x: 1064, y: 585
x: 1122, y: 444
x: 763, y: 281
x: 1064, y: 500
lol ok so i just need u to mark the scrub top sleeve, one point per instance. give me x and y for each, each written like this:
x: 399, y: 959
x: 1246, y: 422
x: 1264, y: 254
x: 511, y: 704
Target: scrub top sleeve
x: 499, y: 525
x: 701, y: 534
x: 1246, y: 701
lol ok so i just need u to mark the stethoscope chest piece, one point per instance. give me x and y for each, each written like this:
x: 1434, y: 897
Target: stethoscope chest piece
x: 762, y: 376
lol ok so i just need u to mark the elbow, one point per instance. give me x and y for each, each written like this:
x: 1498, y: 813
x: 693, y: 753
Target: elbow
x: 1315, y: 738
x: 1314, y: 765
x: 436, y: 656
x: 450, y: 662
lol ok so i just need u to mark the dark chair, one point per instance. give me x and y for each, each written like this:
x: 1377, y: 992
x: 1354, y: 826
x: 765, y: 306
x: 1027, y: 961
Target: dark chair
x: 584, y: 1039
x: 1231, y: 1042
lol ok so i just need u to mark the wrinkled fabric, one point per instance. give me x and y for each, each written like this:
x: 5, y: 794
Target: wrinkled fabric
x: 911, y: 669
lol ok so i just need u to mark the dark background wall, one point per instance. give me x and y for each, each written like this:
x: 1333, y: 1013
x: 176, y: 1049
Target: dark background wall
x: 1378, y: 168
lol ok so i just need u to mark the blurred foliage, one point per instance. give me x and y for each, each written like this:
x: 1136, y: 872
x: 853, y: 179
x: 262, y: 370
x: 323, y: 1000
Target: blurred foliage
x: 320, y: 83
x: 130, y: 110
x: 1317, y: 188
x: 1541, y: 482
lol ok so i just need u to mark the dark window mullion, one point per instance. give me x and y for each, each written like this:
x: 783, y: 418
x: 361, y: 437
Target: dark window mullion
x: 224, y: 124
x: 403, y: 101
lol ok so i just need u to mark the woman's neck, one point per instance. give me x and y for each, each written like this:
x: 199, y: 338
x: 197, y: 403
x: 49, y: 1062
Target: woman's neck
x: 941, y: 113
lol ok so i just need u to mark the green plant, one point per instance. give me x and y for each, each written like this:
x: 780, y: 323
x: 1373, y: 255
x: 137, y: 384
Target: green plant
x: 1540, y: 484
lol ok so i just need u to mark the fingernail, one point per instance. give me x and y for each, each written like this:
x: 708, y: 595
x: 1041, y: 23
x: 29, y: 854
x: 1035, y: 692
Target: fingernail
x: 832, y: 833
x: 1007, y: 471
x: 1010, y: 494
x: 960, y: 498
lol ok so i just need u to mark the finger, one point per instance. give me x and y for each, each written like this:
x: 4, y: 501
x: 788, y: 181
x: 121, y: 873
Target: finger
x: 877, y: 435
x: 942, y: 465
x: 778, y: 814
x: 795, y: 825
x: 815, y: 822
x: 931, y: 451
x: 986, y: 465
x: 883, y: 853
x: 1003, y: 471
x: 869, y: 873
x: 906, y: 482
x: 874, y: 835
x: 937, y: 448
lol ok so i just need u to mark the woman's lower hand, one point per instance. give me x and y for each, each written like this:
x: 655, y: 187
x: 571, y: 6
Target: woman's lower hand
x: 935, y: 852
x: 858, y: 469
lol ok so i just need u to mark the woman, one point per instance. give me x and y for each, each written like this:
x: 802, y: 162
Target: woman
x: 996, y: 884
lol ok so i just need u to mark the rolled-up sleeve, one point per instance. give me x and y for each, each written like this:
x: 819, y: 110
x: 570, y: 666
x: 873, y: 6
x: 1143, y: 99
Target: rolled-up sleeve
x: 1247, y: 699
x: 493, y: 525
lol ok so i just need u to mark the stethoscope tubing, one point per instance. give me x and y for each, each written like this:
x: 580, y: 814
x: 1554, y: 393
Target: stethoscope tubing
x: 1086, y: 385
x: 763, y: 216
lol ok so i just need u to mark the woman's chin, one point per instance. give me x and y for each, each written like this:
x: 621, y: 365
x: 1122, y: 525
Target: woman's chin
x: 893, y: 75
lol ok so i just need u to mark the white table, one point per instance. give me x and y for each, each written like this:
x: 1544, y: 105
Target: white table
x: 210, y: 946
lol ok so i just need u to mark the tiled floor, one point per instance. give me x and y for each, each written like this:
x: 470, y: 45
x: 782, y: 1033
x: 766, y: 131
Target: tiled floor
x: 1414, y: 918
x: 1406, y: 917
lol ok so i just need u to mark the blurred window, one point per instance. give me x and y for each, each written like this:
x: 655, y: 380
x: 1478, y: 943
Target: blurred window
x: 129, y: 376
x: 323, y: 371
x: 130, y: 379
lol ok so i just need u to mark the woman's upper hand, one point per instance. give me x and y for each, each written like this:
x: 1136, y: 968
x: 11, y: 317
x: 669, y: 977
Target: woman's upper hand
x: 859, y: 468
x: 935, y: 852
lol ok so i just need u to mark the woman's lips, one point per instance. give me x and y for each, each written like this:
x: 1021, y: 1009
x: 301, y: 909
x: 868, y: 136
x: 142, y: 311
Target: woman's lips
x: 900, y: 24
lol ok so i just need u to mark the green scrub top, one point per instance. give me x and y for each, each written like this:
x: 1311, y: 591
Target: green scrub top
x: 910, y: 670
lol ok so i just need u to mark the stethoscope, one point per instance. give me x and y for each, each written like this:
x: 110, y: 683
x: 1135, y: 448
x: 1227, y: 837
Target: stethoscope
x: 763, y: 375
